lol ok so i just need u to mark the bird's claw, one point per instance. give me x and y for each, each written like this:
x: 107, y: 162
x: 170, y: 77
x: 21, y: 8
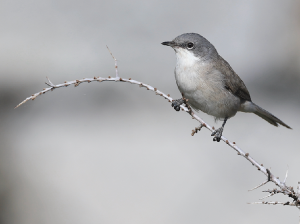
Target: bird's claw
x: 218, y: 134
x: 176, y: 104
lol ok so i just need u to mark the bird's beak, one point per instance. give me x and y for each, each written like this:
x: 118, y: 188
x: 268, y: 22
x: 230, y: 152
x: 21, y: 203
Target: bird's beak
x: 169, y: 43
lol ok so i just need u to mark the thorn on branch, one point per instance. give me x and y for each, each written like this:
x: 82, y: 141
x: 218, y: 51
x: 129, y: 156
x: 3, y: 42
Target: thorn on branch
x: 50, y: 83
x: 259, y: 185
x: 267, y: 196
x: 269, y: 179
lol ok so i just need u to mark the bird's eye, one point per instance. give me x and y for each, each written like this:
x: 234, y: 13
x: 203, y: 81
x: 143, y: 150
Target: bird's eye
x: 190, y: 45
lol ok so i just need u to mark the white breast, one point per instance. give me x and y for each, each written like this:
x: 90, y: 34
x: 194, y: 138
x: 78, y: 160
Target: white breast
x: 190, y: 71
x: 203, y: 85
x: 186, y: 71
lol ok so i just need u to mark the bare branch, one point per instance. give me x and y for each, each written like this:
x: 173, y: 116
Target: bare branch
x: 270, y: 177
x: 267, y: 172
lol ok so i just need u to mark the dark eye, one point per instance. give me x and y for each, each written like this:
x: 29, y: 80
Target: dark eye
x: 190, y: 45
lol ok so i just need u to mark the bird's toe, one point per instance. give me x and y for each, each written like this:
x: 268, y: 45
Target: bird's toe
x: 218, y: 134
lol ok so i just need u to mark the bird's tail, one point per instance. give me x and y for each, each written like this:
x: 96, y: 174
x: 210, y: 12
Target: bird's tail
x: 268, y: 116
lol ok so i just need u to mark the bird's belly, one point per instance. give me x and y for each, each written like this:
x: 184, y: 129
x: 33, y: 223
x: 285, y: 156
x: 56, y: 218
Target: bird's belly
x: 217, y: 105
x: 207, y: 95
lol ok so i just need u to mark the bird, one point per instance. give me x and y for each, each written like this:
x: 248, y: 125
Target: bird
x: 210, y: 84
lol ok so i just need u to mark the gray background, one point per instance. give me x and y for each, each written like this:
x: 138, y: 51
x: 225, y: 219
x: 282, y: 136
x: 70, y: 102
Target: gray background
x: 115, y: 153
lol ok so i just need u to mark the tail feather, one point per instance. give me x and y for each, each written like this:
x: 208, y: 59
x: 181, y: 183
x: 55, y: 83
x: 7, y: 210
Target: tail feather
x: 269, y: 117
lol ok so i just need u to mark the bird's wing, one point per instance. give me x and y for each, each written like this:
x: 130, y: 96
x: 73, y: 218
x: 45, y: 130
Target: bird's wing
x: 232, y: 81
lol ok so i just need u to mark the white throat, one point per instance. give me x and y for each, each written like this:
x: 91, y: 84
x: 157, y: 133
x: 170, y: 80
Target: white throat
x: 185, y: 57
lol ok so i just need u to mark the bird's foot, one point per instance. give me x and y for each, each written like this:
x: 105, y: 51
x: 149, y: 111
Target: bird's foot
x: 218, y: 134
x: 176, y: 104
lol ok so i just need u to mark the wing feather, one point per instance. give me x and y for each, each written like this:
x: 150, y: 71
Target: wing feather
x: 232, y: 81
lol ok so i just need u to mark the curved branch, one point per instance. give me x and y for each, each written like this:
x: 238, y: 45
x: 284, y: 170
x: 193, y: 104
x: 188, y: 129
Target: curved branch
x: 289, y: 191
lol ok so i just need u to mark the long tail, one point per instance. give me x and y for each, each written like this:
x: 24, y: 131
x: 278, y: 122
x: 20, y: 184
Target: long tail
x: 268, y: 116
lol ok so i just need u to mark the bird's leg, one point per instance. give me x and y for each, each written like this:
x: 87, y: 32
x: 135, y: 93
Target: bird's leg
x: 218, y: 133
x: 176, y: 103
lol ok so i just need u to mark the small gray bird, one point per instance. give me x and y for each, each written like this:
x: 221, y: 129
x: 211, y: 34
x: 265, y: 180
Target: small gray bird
x: 210, y: 84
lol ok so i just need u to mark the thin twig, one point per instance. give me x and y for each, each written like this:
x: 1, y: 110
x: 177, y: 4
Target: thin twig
x: 116, y: 65
x: 197, y: 129
x: 273, y: 203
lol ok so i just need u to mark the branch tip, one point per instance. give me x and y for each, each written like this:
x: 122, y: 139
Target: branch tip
x: 259, y: 185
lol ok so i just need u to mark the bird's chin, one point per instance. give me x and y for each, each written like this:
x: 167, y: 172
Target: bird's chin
x: 176, y: 49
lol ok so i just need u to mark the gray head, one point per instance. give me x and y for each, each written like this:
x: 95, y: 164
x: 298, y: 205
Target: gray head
x: 194, y: 43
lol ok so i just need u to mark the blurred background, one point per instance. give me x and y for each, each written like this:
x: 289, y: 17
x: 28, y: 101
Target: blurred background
x: 115, y: 153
